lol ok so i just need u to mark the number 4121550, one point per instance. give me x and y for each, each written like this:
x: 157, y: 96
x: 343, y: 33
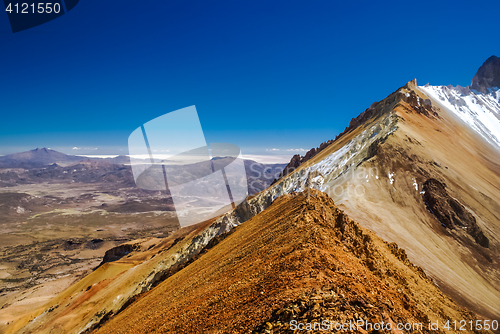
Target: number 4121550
x: 41, y: 8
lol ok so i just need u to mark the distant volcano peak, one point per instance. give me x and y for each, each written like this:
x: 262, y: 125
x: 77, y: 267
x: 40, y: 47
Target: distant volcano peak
x: 487, y: 76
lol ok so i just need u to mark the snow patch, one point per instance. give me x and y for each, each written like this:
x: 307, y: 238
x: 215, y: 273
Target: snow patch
x: 391, y: 179
x: 480, y: 111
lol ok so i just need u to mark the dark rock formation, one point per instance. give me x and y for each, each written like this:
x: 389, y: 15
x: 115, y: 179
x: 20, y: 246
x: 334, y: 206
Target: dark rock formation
x: 72, y: 244
x: 450, y: 213
x: 297, y: 160
x: 118, y: 252
x: 94, y: 244
x: 421, y: 106
x: 487, y: 76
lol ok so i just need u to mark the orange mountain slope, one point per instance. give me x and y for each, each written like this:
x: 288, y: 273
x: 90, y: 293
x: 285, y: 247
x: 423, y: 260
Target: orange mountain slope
x: 302, y: 259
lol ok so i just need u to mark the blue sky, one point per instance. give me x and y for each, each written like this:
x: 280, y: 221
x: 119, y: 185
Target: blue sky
x: 283, y: 75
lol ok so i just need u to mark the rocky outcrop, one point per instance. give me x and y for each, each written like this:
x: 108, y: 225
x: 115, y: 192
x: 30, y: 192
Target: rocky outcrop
x: 418, y: 104
x: 298, y: 160
x: 449, y: 212
x: 94, y: 243
x: 487, y: 76
x: 71, y: 244
x: 118, y: 252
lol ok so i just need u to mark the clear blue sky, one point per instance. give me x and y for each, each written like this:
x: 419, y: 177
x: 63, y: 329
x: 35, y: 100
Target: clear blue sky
x: 262, y: 74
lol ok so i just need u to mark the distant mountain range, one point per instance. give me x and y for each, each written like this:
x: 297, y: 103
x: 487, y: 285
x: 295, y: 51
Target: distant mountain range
x: 46, y: 165
x: 37, y: 157
x: 40, y: 157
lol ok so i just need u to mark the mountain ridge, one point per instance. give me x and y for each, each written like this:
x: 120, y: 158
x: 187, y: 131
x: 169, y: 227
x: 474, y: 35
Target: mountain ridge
x: 36, y: 158
x: 318, y: 265
x: 421, y: 139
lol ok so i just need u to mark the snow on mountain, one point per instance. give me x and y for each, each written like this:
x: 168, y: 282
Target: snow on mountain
x: 337, y: 167
x: 480, y: 111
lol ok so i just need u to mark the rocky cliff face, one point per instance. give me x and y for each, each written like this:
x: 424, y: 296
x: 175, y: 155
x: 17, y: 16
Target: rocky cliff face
x: 118, y: 252
x: 451, y: 213
x: 488, y: 75
x: 298, y: 160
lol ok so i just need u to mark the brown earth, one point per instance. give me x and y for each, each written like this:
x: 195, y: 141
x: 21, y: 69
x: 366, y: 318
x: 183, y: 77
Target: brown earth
x: 302, y: 259
x: 109, y: 287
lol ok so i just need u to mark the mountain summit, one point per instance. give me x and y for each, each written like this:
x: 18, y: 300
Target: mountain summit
x: 37, y: 158
x: 488, y: 75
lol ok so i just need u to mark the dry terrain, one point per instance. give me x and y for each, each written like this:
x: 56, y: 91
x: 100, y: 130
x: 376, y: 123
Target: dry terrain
x: 301, y: 259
